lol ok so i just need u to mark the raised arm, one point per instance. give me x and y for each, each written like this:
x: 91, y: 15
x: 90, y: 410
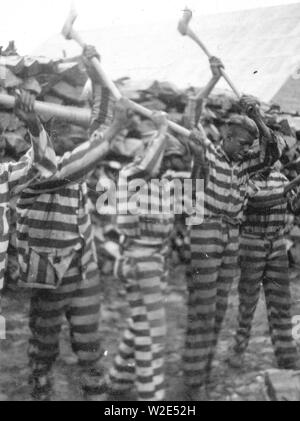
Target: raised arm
x: 108, y: 120
x: 40, y: 160
x: 195, y: 104
x: 271, y: 145
x: 148, y: 164
x: 75, y: 165
x: 103, y: 102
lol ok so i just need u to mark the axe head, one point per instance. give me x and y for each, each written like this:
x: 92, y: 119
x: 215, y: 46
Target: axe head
x: 184, y: 22
x: 68, y: 26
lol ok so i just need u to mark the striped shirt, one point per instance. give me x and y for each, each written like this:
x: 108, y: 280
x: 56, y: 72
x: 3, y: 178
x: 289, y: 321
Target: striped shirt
x: 144, y: 212
x: 261, y: 219
x: 227, y: 183
x: 38, y: 163
x: 54, y: 216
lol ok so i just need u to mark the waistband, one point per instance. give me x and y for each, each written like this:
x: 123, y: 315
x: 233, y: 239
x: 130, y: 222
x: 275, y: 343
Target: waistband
x: 148, y: 243
x: 223, y: 218
x: 262, y: 235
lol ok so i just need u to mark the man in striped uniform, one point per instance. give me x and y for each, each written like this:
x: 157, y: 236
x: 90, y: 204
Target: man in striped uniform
x: 145, y: 231
x: 192, y: 115
x: 215, y: 243
x: 264, y: 261
x: 57, y: 255
x: 38, y: 163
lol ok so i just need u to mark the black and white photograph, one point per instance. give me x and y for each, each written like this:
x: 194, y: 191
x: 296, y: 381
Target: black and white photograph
x: 150, y: 203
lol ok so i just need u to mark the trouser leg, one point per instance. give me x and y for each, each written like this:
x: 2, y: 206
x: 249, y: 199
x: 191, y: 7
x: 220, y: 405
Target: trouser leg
x: 279, y: 304
x: 146, y: 335
x: 253, y: 263
x: 45, y: 322
x: 83, y: 315
x: 228, y: 271
x: 207, y: 249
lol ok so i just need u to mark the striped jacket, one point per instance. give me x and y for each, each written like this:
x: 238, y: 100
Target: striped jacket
x: 261, y: 218
x: 227, y: 183
x: 39, y: 162
x: 54, y: 216
x: 144, y: 213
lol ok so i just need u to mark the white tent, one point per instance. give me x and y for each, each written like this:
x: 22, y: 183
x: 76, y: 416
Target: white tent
x: 260, y: 48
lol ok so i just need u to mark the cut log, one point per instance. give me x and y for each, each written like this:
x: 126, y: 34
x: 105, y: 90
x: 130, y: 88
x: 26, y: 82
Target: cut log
x: 9, y: 122
x: 14, y: 63
x: 38, y: 65
x: 53, y: 99
x: 32, y: 85
x: 8, y: 79
x: 282, y: 385
x: 72, y: 73
x: 17, y: 141
x: 155, y: 105
x: 10, y: 50
x: 68, y: 92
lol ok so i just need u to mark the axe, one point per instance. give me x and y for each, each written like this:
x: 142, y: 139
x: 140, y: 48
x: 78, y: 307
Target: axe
x: 69, y: 33
x: 75, y: 115
x: 292, y: 185
x: 185, y: 30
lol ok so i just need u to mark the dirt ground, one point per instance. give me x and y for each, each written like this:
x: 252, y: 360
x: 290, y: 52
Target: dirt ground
x: 227, y: 384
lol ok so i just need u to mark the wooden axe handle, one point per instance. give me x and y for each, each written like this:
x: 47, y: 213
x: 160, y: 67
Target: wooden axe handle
x: 195, y: 38
x: 293, y: 184
x: 107, y: 82
x: 230, y: 83
x: 79, y: 116
x: 97, y: 65
x: 76, y: 37
x: 117, y: 95
x: 136, y: 107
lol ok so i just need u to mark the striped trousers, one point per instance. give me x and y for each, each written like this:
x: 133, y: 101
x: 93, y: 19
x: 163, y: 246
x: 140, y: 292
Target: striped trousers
x: 214, y: 248
x: 140, y: 358
x: 78, y: 300
x: 264, y: 262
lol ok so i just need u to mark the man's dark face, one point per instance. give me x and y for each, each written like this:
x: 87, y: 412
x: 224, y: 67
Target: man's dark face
x: 237, y: 143
x: 175, y: 163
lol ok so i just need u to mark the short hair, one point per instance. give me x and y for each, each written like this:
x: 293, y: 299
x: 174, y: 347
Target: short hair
x: 245, y: 123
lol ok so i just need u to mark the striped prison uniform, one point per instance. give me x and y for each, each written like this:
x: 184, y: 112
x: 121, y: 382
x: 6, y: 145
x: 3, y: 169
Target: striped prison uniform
x: 58, y: 259
x: 38, y: 163
x: 264, y: 262
x: 140, y: 358
x: 214, y: 247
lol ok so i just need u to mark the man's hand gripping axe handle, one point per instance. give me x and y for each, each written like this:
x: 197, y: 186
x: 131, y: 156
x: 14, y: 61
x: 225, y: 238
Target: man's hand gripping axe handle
x: 185, y: 30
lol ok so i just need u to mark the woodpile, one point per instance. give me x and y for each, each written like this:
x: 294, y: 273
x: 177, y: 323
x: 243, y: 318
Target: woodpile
x: 55, y: 81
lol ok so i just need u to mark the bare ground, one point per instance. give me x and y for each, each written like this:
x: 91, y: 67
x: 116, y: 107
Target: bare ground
x: 227, y: 384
